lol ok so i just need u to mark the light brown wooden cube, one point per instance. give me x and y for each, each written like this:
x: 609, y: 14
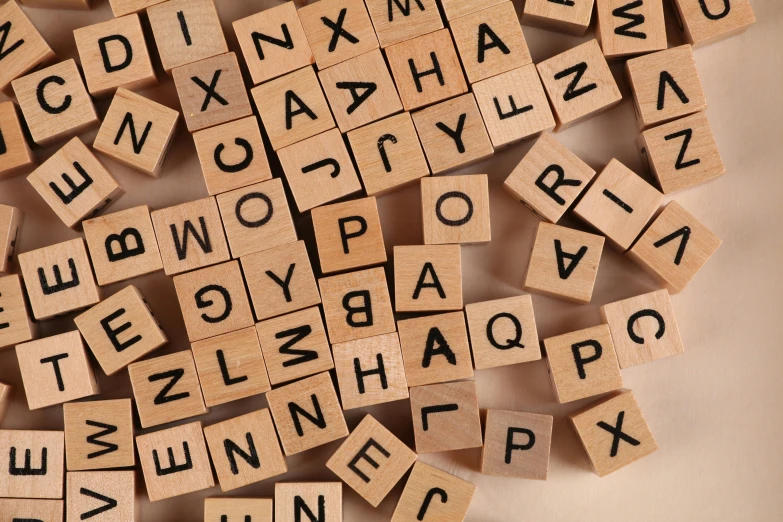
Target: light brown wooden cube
x: 245, y: 450
x: 99, y: 435
x: 31, y: 509
x: 230, y: 509
x: 6, y: 392
x: 166, y: 389
x: 665, y: 86
x: 307, y: 413
x: 517, y: 445
x: 445, y: 417
x: 427, y: 278
x: 675, y: 247
x: 296, y: 500
x: 186, y: 31
x: 337, y: 30
x: 25, y: 49
x: 122, y: 7
x: 371, y: 460
x: 120, y: 329
x: 455, y: 209
x: 567, y: 17
x: 458, y: 8
x: 137, y: 132
x: 357, y: 305
x: 614, y: 433
x: 35, y: 465
x: 11, y: 220
x: 564, y: 263
x: 706, y: 22
x: 627, y: 28
x: 15, y: 321
x: 432, y: 494
x: 15, y: 153
x: 583, y: 364
x: 399, y: 21
x: 453, y: 134
x: 579, y: 84
x: 111, y: 495
x: 190, y: 236
x: 349, y: 235
x: 175, y: 461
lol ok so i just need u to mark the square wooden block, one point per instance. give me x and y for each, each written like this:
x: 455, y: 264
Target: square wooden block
x: 446, y: 417
x: 614, y: 433
x: 579, y: 84
x: 186, y: 31
x: 166, y: 389
x: 704, y: 23
x: 455, y: 209
x: 627, y: 28
x: 31, y: 509
x: 453, y: 134
x: 24, y: 49
x: 36, y: 464
x: 122, y: 7
x: 11, y: 220
x: 564, y: 263
x: 99, y: 435
x: 121, y: 329
x: 137, y: 132
x: 433, y: 493
x: 294, y: 501
x: 175, y: 461
x: 111, y: 495
x: 357, y: 305
x: 619, y: 204
x: 566, y: 17
x: 458, y: 8
x: 517, y: 445
x: 396, y: 22
x: 583, y: 364
x: 665, y: 86
x: 245, y: 450
x: 15, y: 321
x: 307, y: 413
x: 224, y: 509
x: 514, y: 106
x: 75, y: 184
x: 6, y: 392
x: 14, y: 151
x: 675, y: 247
x: 337, y: 30
x: 427, y: 278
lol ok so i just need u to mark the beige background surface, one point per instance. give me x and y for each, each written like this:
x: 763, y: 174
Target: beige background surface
x: 715, y: 410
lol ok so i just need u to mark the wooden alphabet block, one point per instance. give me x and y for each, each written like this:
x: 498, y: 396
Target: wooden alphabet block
x: 371, y: 460
x: 175, y: 461
x: 31, y: 509
x: 445, y: 417
x: 704, y: 23
x: 675, y: 247
x: 99, y: 435
x: 349, y: 235
x: 11, y: 220
x: 579, y: 84
x: 231, y: 509
x: 397, y: 21
x: 319, y: 170
x: 514, y: 106
x: 190, y: 236
x: 357, y: 305
x: 619, y: 204
x: 15, y: 324
x: 120, y: 329
x: 455, y: 209
x: 426, y: 69
x: 137, y: 132
x: 566, y: 17
x: 295, y: 501
x: 24, y: 48
x: 435, y: 349
x: 15, y: 153
x: 427, y: 278
x: 101, y: 495
x: 6, y: 391
x: 186, y: 31
x: 564, y: 263
x: 517, y: 445
x: 583, y: 364
x: 433, y: 494
x: 627, y: 28
x: 458, y: 8
x: 665, y: 86
x: 245, y: 450
x: 166, y: 390
x: 123, y: 7
x: 614, y: 433
x: 307, y: 413
x: 35, y: 464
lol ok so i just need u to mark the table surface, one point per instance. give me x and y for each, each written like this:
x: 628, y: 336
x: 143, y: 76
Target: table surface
x: 715, y: 411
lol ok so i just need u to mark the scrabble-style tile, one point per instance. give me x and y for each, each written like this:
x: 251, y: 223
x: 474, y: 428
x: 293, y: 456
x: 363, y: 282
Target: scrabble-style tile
x: 706, y: 22
x: 294, y: 501
x: 435, y: 348
x: 514, y: 106
x: 619, y: 204
x: 213, y: 301
x: 24, y: 48
x: 12, y: 509
x: 229, y: 509
x: 137, y: 132
x: 120, y: 329
x: 230, y: 367
x: 123, y: 7
x: 445, y: 417
x: 166, y: 389
x: 245, y: 450
x: 397, y: 21
x: 307, y: 413
x: 99, y: 435
x: 349, y: 235
x: 356, y: 305
x: 627, y: 28
x: 583, y: 364
x: 675, y: 247
x: 568, y: 17
x: 190, y: 236
x: 11, y: 220
x: 433, y: 494
x: 427, y: 278
x: 109, y: 495
x: 665, y: 86
x: 337, y: 30
x: 15, y: 320
x: 579, y: 84
x: 371, y: 460
x: 516, y: 445
x: 35, y: 465
x: 453, y: 134
x: 6, y: 392
x: 175, y: 461
x: 15, y: 153
x: 370, y: 371
x: 186, y: 31
x: 455, y: 209
x: 564, y: 263
x: 388, y: 154
x: 458, y: 8
x: 614, y: 433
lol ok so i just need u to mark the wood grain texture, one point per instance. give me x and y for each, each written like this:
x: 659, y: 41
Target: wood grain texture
x: 45, y: 481
x: 396, y: 23
x: 517, y: 445
x: 11, y: 221
x: 573, y: 19
x: 723, y: 20
x: 427, y: 278
x: 310, y: 494
x: 20, y: 509
x: 455, y: 209
x: 26, y: 56
x: 434, y: 495
x: 457, y: 8
x: 14, y: 313
x: 16, y: 156
x: 118, y: 489
x: 445, y: 417
x: 86, y: 439
x: 6, y: 393
x: 620, y: 40
x: 222, y: 509
x: 123, y: 7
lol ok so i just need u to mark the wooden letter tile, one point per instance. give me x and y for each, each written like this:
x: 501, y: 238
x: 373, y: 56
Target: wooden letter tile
x: 35, y: 465
x: 446, y: 417
x: 399, y: 21
x: 11, y: 220
x: 566, y: 17
x: 427, y: 278
x: 455, y: 209
x: 122, y: 7
x: 627, y: 28
x: 457, y: 8
x: 15, y: 153
x: 516, y: 445
x: 31, y: 509
x: 101, y: 495
x: 294, y: 501
x: 99, y: 435
x: 15, y: 324
x: 6, y: 392
x: 237, y: 509
x: 707, y: 22
x: 24, y: 48
x: 432, y: 494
